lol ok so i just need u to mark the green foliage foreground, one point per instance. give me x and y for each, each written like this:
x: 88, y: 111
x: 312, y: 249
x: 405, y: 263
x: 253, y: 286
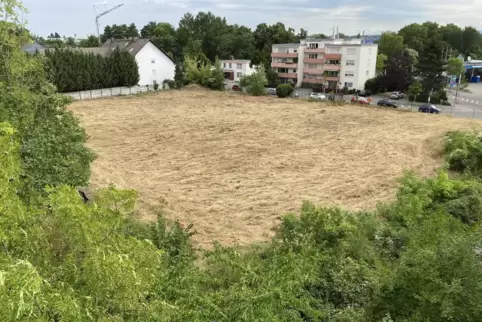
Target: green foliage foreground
x: 416, y: 259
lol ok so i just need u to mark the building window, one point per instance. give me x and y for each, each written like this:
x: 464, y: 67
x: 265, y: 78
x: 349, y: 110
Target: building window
x: 154, y: 72
x: 349, y: 74
x: 295, y: 50
x: 333, y: 50
x: 349, y: 85
x: 239, y: 66
x: 239, y: 75
x: 153, y: 61
x: 350, y: 63
x: 351, y: 51
x: 294, y: 70
x: 313, y: 46
x: 224, y: 65
x: 368, y: 72
x: 313, y: 56
x: 230, y: 65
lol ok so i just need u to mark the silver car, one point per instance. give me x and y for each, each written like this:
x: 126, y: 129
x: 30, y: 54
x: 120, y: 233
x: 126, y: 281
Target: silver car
x: 317, y: 96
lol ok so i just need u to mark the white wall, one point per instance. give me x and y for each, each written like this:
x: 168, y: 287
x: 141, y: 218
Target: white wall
x: 162, y: 68
x: 367, y: 65
x: 346, y: 55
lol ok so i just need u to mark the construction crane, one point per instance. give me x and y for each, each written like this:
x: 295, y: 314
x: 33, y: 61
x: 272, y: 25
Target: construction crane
x: 103, y: 14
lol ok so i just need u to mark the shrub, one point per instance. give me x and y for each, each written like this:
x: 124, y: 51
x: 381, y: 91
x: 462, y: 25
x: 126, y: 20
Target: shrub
x: 156, y: 86
x: 463, y: 152
x: 375, y: 85
x: 284, y: 90
x: 254, y: 84
x: 435, y: 98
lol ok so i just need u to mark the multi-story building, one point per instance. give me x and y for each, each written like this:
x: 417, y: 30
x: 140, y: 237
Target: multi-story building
x: 234, y: 69
x: 334, y: 63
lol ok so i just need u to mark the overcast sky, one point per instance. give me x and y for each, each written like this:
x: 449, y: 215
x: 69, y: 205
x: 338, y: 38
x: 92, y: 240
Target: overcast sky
x: 76, y: 17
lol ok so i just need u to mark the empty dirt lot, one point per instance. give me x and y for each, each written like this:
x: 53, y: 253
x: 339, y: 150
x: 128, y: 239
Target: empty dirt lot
x: 232, y: 164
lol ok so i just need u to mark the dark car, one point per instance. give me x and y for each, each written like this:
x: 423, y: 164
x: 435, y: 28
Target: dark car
x: 429, y: 108
x: 364, y: 93
x: 388, y: 103
x: 236, y: 88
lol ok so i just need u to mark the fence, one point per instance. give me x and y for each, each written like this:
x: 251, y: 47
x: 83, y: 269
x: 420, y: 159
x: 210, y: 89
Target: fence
x: 108, y: 92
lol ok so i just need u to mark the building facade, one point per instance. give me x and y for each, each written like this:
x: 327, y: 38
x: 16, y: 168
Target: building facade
x: 234, y: 69
x: 333, y: 63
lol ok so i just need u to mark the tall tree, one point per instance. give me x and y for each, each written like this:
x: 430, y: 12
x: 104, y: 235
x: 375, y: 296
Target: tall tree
x: 390, y: 43
x: 414, y: 36
x: 431, y: 65
x: 398, y: 71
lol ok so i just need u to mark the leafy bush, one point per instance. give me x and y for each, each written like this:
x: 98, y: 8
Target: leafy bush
x: 284, y: 90
x: 254, y: 84
x: 203, y: 73
x: 375, y: 85
x: 463, y: 152
x: 435, y: 98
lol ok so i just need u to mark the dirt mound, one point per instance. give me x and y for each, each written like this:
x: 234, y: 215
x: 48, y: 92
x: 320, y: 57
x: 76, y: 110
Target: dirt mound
x: 195, y: 88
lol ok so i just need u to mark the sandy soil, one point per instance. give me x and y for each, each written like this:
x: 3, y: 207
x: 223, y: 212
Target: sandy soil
x: 232, y: 164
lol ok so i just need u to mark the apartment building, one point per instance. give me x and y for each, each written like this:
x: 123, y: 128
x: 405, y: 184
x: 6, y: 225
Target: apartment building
x: 234, y: 69
x: 334, y: 63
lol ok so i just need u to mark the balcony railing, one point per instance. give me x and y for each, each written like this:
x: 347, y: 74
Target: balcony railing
x: 287, y: 75
x: 313, y: 80
x: 332, y: 67
x: 284, y: 65
x: 315, y: 50
x: 313, y: 71
x: 284, y: 55
x: 332, y: 56
x: 332, y: 78
x: 314, y: 60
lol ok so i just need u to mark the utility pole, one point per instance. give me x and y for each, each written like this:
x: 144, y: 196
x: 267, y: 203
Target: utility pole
x: 337, y: 32
x: 333, y: 33
x: 103, y: 14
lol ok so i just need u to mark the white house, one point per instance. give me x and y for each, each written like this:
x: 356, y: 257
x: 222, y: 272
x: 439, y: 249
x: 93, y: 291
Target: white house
x: 154, y: 64
x: 234, y: 69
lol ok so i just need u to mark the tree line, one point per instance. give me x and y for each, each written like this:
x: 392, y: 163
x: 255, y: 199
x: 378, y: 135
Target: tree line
x: 418, y: 54
x: 72, y: 70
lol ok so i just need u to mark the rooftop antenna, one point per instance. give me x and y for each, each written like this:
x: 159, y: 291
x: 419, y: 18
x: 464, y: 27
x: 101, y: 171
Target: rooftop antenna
x: 103, y: 14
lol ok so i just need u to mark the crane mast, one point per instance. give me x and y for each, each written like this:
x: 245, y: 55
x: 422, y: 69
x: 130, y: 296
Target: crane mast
x: 103, y: 14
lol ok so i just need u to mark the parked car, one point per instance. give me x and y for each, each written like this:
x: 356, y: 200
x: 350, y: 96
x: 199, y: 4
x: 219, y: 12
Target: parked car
x: 236, y: 88
x: 429, y: 108
x: 317, y: 96
x: 360, y: 100
x: 364, y: 93
x: 388, y: 103
x: 397, y: 95
x: 271, y: 91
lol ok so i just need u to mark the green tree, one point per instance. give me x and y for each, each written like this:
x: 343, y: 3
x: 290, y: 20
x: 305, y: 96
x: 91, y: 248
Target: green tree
x: 179, y: 76
x: 414, y: 36
x: 431, y: 65
x: 381, y: 59
x: 415, y: 89
x: 91, y: 41
x: 390, y: 43
x: 255, y: 83
x: 398, y: 74
x: 455, y: 67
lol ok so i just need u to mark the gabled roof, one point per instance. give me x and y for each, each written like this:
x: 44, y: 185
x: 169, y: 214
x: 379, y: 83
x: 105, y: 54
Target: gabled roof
x: 132, y: 46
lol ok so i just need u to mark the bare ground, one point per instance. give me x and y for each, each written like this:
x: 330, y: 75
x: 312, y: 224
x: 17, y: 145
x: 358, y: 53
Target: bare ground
x: 232, y: 164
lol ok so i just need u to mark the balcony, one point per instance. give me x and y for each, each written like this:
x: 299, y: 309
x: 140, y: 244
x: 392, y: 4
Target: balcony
x: 313, y: 71
x: 315, y: 50
x: 332, y: 56
x: 284, y: 65
x: 287, y: 75
x: 314, y: 60
x: 332, y: 78
x: 332, y: 67
x: 313, y: 80
x: 284, y: 55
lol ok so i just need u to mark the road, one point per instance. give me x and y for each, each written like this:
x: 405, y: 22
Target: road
x: 468, y: 105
